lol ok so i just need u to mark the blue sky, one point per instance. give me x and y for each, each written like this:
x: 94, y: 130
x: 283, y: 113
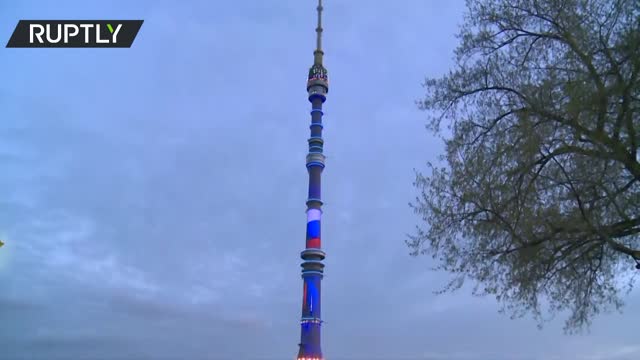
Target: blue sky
x: 152, y: 198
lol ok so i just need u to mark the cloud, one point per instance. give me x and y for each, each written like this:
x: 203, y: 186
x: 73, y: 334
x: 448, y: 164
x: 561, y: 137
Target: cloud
x: 622, y: 352
x: 62, y: 244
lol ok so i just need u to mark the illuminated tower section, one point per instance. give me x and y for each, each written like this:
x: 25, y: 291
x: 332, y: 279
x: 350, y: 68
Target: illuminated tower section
x: 312, y: 266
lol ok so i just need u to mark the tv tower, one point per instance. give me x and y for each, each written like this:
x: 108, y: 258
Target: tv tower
x: 312, y: 256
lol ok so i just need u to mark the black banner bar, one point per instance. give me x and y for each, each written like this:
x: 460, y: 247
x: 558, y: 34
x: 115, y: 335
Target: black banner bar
x: 74, y: 33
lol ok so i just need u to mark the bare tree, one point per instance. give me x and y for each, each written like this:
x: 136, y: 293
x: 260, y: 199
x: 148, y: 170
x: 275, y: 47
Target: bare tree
x: 539, y: 205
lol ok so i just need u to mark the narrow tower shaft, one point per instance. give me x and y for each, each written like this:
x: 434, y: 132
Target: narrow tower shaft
x: 312, y: 256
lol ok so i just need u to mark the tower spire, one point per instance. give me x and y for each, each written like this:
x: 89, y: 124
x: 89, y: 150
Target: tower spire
x: 318, y: 53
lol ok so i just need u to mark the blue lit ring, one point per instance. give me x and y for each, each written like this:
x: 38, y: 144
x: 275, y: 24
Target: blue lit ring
x: 322, y: 97
x: 317, y: 110
x: 316, y: 124
x: 315, y: 163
